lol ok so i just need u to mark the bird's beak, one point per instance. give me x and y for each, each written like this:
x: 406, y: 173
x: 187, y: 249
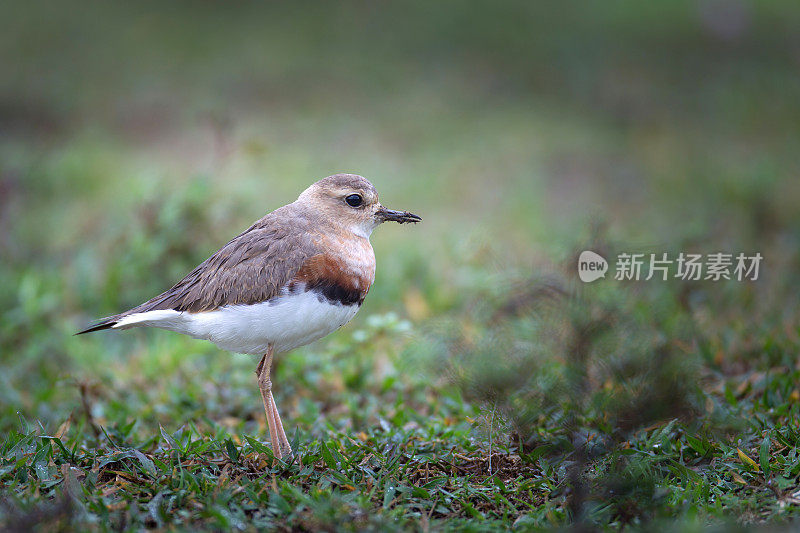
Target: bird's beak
x: 388, y: 215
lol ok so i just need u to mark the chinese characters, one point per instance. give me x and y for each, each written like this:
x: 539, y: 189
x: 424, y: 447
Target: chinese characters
x: 710, y: 267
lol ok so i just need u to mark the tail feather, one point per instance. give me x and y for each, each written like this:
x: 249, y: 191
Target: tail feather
x: 105, y: 323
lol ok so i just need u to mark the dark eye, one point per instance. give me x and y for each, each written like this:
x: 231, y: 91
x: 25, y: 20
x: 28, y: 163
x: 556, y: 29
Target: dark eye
x: 354, y: 200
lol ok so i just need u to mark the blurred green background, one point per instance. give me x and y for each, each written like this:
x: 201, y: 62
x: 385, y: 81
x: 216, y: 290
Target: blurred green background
x: 137, y: 138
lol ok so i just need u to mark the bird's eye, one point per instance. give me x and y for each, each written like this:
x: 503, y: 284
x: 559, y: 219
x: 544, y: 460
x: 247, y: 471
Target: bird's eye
x: 354, y: 200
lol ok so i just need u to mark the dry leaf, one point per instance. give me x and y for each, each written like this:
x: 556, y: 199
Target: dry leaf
x: 746, y: 460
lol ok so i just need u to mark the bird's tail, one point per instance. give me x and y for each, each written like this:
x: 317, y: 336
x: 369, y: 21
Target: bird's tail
x: 104, y: 323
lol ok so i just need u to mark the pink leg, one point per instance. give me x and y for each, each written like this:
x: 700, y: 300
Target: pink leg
x: 284, y: 442
x: 280, y: 444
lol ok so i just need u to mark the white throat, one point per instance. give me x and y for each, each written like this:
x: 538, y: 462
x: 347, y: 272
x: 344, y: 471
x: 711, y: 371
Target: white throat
x: 362, y: 231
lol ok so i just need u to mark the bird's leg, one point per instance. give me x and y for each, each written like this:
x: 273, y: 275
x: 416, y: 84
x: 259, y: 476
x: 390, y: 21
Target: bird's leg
x: 265, y: 384
x: 284, y: 442
x: 280, y: 443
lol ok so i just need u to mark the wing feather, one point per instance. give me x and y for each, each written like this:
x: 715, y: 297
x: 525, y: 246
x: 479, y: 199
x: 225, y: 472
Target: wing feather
x: 253, y: 267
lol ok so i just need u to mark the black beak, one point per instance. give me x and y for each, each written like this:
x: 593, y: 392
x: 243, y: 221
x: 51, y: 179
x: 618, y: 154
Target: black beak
x: 388, y: 215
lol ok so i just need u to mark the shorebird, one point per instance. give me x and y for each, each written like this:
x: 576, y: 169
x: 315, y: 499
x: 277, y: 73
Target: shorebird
x: 294, y: 276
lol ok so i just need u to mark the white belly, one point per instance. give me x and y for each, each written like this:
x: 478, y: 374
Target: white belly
x: 285, y: 323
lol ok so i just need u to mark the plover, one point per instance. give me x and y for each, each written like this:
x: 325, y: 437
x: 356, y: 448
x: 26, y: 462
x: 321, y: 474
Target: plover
x: 296, y: 275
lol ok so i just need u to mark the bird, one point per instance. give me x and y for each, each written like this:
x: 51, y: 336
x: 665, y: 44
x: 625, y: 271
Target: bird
x: 294, y: 276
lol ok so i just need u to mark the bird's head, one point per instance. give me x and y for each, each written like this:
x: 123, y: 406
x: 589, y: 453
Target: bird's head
x: 351, y: 201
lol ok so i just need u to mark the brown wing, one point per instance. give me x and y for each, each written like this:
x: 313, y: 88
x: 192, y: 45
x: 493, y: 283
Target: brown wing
x: 251, y: 268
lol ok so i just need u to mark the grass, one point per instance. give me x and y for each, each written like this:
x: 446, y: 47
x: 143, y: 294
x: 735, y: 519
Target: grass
x: 481, y: 387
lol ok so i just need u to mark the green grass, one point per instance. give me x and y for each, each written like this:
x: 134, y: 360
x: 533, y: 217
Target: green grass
x: 481, y: 387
